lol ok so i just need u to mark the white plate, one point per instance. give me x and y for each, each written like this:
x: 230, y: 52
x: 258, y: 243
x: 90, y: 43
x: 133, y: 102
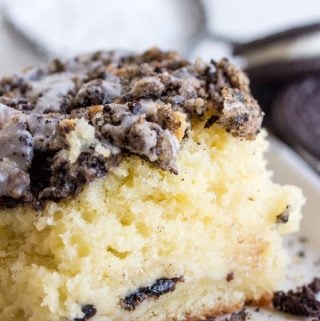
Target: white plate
x: 289, y: 168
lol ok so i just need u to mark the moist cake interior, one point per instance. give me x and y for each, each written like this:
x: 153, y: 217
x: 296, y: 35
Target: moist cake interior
x: 134, y: 187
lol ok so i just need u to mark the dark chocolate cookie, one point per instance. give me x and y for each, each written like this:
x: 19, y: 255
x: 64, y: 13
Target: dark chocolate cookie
x: 296, y: 114
x: 284, y: 70
x: 268, y: 81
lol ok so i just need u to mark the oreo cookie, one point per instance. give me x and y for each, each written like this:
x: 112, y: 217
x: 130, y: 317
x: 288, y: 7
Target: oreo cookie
x: 268, y: 81
x: 296, y: 115
x: 284, y: 71
x: 283, y: 56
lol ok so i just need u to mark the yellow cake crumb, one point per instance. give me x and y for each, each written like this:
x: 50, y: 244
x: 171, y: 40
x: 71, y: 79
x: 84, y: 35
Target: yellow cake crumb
x: 139, y: 223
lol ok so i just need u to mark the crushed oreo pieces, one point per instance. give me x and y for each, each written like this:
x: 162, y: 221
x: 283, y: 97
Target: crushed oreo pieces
x: 89, y: 311
x: 158, y: 288
x: 300, y: 302
x: 242, y: 315
x: 230, y: 276
x: 283, y: 217
x: 212, y: 120
x: 141, y: 104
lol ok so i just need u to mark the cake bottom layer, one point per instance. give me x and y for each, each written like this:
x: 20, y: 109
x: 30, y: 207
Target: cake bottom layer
x: 143, y: 244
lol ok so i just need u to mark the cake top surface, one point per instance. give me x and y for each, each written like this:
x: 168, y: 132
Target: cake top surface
x: 65, y: 123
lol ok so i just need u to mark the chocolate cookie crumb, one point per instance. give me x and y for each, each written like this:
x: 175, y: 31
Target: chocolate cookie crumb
x: 283, y: 217
x: 239, y: 114
x: 158, y: 288
x: 89, y: 311
x: 301, y: 302
x: 230, y: 276
x: 213, y: 119
x: 302, y: 239
x: 241, y: 315
x: 315, y: 285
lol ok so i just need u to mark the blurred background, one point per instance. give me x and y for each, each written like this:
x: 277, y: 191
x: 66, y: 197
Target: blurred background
x: 32, y: 30
x: 277, y: 42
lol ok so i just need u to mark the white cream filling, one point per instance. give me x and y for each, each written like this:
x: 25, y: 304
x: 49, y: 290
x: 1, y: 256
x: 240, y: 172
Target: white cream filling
x: 305, y: 46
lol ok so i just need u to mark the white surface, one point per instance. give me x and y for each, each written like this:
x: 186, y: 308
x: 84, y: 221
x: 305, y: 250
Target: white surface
x: 208, y: 49
x: 243, y: 20
x: 68, y: 27
x: 14, y: 53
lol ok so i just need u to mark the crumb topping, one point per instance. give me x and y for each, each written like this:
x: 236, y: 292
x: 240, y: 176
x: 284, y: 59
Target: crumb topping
x: 65, y: 123
x: 301, y: 302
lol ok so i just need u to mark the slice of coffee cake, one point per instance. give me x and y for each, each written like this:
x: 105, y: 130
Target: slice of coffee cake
x: 134, y: 187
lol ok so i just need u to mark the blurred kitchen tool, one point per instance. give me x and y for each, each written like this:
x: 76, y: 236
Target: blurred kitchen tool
x: 68, y: 27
